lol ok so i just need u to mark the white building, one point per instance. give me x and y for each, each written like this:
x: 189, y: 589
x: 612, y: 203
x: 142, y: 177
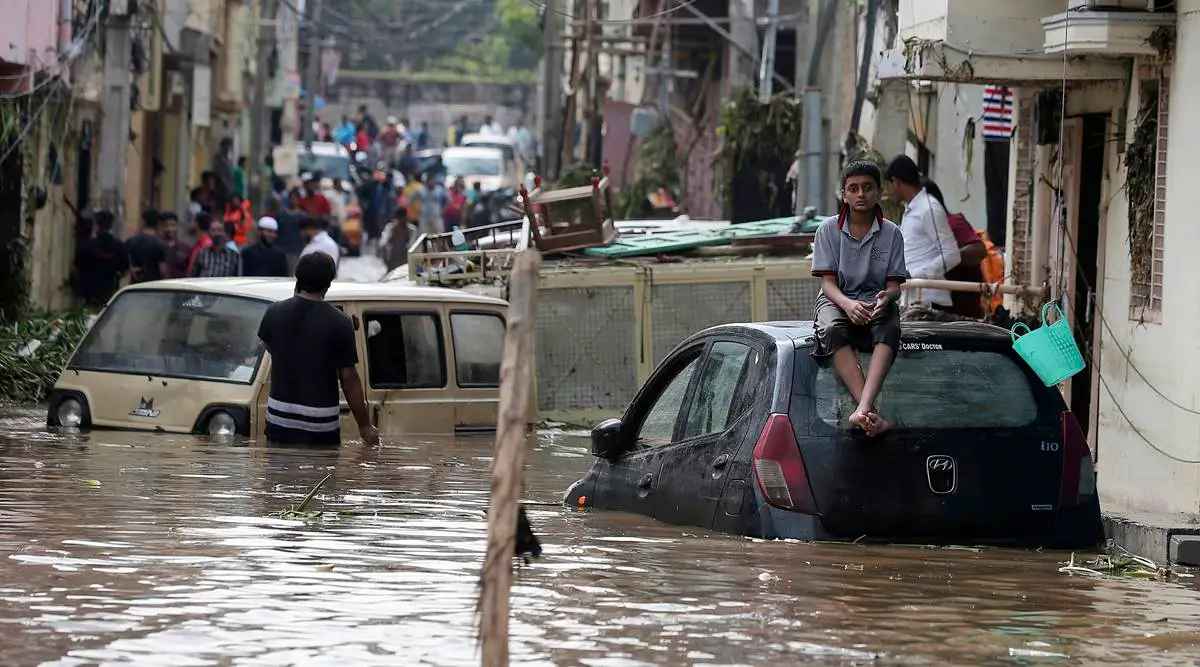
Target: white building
x: 1120, y: 129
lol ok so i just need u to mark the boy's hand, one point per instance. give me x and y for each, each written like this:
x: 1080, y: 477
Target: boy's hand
x: 882, y: 300
x: 858, y: 312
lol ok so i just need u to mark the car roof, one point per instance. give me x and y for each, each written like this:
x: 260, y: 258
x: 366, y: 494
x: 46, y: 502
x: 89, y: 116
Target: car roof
x: 477, y: 138
x: 473, y: 151
x: 802, y: 331
x: 278, y: 289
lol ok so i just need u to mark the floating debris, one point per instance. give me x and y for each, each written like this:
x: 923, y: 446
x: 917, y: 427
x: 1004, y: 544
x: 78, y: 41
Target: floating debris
x: 300, y: 512
x: 1116, y: 562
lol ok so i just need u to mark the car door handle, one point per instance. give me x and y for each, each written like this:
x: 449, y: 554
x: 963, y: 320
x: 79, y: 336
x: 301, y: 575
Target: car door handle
x: 646, y: 481
x: 721, y: 461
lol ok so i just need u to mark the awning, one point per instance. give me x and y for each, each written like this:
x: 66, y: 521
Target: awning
x: 935, y: 60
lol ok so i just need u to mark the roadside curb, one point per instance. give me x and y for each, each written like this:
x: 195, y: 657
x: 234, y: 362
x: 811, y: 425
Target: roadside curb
x: 1162, y: 541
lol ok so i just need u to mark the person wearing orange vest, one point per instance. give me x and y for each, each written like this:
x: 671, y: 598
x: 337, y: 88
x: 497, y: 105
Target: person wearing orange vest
x: 238, y: 212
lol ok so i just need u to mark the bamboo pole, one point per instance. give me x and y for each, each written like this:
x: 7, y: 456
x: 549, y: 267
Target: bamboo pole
x: 964, y: 286
x: 516, y: 383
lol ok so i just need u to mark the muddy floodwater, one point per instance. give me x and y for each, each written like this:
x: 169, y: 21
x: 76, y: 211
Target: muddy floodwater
x: 155, y: 549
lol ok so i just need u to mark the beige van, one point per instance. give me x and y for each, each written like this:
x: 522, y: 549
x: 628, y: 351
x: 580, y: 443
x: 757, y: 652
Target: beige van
x: 183, y: 356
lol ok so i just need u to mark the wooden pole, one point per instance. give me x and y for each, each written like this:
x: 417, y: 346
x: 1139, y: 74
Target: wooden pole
x: 516, y: 385
x: 964, y: 286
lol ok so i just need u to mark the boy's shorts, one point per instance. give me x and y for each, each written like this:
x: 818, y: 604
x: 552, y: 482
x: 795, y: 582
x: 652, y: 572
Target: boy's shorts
x: 835, y: 330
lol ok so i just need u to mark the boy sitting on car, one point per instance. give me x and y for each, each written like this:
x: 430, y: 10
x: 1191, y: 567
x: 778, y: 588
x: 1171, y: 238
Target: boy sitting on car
x: 859, y: 257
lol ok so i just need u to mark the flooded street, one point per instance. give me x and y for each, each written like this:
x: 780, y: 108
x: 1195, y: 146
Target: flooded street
x: 128, y: 547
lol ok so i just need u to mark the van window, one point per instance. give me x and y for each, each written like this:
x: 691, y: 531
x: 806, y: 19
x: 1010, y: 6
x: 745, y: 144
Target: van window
x: 176, y: 334
x: 713, y: 408
x: 939, y: 389
x: 658, y: 428
x: 478, y: 347
x: 404, y: 351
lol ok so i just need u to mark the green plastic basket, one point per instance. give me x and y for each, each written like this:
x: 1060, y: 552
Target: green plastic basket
x: 1050, y: 350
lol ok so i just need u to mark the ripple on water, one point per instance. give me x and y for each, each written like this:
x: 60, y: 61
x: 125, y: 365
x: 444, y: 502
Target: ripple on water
x: 176, y: 559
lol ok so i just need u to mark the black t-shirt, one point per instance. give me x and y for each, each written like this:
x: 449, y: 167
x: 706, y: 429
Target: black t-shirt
x: 263, y: 260
x: 146, y: 254
x: 309, y: 341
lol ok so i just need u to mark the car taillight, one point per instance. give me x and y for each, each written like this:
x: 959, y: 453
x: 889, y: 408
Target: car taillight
x: 779, y: 467
x: 1078, y: 475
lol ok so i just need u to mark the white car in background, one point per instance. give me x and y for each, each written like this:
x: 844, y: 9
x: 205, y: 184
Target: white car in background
x: 486, y: 166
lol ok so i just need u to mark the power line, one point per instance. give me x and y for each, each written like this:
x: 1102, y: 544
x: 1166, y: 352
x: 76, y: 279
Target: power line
x: 68, y: 56
x: 670, y: 10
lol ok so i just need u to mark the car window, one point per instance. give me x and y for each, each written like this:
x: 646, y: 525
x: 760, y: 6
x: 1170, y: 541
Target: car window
x: 659, y: 425
x: 478, y: 347
x: 939, y: 389
x: 176, y: 334
x: 404, y: 351
x: 713, y: 407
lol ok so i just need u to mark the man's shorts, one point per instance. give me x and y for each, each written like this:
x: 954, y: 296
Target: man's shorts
x: 835, y: 330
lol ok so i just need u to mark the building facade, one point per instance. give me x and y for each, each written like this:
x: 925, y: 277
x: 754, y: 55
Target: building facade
x: 1097, y: 207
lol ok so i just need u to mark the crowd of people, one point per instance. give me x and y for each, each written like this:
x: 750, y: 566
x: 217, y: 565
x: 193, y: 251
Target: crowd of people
x: 221, y: 234
x: 218, y: 238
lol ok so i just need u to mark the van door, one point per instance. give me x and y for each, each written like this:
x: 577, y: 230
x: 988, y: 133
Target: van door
x: 714, y: 425
x: 406, y: 371
x: 476, y: 348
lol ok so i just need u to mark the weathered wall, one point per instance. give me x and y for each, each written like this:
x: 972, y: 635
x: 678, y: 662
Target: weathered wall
x: 1168, y: 352
x: 958, y: 168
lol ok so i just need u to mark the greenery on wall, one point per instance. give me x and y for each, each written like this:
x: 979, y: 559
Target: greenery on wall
x: 1139, y: 186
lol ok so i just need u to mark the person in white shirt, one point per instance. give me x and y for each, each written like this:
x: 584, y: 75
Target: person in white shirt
x: 929, y: 246
x: 491, y: 127
x: 319, y: 240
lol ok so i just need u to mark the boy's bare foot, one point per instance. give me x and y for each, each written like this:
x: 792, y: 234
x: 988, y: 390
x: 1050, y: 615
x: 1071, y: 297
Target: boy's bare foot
x: 879, y: 425
x: 861, y: 419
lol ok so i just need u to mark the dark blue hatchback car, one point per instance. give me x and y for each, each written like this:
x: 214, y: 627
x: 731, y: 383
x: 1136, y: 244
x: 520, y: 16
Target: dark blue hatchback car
x: 740, y: 430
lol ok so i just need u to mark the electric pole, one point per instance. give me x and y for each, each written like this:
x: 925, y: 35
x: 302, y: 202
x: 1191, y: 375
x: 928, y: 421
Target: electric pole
x: 114, y: 128
x: 312, y: 76
x: 552, y: 62
x: 766, y: 64
x: 266, y: 43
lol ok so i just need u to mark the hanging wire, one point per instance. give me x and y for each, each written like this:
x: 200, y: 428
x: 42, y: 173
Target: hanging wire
x: 73, y: 52
x: 1125, y: 354
x: 670, y: 10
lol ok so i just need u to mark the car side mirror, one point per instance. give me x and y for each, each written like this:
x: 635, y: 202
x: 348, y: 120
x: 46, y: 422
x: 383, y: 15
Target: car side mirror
x: 608, y: 439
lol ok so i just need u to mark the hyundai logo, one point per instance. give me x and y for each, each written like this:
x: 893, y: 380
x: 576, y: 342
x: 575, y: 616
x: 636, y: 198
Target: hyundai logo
x: 941, y: 473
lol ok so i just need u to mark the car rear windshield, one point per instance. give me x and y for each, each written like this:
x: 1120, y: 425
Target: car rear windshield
x: 176, y: 334
x: 460, y: 165
x: 939, y: 389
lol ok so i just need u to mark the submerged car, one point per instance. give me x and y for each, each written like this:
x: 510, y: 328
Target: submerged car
x: 183, y: 356
x: 741, y: 430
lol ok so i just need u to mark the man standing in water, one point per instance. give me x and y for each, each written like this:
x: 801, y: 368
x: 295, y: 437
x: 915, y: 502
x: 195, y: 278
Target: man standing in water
x: 312, y: 349
x: 859, y: 258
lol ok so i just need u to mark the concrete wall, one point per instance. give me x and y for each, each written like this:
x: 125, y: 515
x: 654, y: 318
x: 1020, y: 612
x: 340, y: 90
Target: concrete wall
x: 956, y: 169
x: 1168, y: 353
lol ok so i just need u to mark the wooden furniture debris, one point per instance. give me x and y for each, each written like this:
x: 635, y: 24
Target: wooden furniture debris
x: 570, y: 218
x: 484, y: 254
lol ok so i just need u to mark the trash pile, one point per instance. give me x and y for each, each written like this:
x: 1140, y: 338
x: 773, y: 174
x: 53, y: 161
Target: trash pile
x: 576, y: 225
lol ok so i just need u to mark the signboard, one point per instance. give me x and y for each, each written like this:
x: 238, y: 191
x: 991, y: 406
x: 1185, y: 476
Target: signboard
x: 286, y: 160
x: 201, y: 95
